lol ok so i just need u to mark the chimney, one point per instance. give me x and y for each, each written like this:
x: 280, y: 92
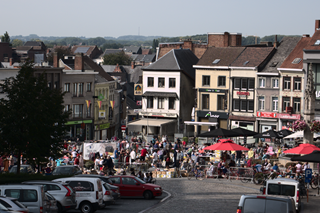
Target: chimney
x: 55, y: 59
x: 10, y: 60
x: 317, y: 27
x: 226, y: 39
x: 132, y: 64
x: 276, y: 43
x: 78, y: 62
x: 306, y: 35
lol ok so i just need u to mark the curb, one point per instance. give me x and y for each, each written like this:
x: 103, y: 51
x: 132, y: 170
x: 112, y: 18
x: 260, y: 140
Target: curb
x: 155, y: 205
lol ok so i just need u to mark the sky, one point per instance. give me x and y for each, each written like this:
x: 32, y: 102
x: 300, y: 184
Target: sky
x: 102, y: 18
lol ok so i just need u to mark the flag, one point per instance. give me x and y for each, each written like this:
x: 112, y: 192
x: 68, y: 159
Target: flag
x: 99, y: 103
x: 88, y: 103
x: 112, y: 104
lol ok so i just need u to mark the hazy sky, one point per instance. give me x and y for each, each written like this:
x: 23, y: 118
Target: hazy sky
x: 157, y: 18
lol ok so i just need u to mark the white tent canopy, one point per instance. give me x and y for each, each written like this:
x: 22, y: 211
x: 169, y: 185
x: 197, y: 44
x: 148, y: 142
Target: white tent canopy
x: 300, y: 134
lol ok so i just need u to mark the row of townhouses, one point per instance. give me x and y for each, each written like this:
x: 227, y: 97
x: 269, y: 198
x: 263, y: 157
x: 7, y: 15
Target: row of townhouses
x: 256, y: 87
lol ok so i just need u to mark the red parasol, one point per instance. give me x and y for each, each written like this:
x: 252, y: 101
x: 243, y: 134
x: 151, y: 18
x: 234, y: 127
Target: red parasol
x: 305, y: 148
x: 227, y: 145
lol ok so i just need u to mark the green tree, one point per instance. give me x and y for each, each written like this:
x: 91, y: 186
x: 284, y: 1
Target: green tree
x: 32, y: 117
x: 17, y: 43
x: 117, y: 58
x: 5, y: 37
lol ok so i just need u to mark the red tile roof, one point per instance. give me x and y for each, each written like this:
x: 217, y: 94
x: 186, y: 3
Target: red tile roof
x: 313, y: 39
x: 297, y: 52
x: 227, y: 55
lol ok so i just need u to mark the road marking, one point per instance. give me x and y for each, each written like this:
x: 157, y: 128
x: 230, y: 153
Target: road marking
x: 161, y: 201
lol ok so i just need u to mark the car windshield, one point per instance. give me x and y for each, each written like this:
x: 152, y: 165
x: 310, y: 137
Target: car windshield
x: 141, y: 181
x: 22, y: 169
x: 63, y: 170
x: 18, y: 203
x: 2, y: 207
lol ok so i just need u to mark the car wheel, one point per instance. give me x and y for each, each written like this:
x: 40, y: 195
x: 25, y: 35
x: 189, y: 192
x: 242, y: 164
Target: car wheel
x: 59, y: 207
x: 147, y: 195
x: 86, y: 207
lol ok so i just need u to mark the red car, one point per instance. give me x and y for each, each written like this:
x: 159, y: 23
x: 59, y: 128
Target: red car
x: 131, y: 186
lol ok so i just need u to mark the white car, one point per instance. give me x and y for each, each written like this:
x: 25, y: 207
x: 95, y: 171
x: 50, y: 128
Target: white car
x: 89, y: 192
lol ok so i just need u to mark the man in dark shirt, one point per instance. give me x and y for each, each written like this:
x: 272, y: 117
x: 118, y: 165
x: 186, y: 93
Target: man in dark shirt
x: 238, y: 157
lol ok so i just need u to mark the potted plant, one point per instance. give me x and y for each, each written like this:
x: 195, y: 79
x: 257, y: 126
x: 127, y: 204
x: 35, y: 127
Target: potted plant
x: 315, y: 126
x: 299, y: 125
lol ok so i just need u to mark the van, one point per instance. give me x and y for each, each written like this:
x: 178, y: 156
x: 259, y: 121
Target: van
x: 283, y: 186
x: 89, y: 194
x: 31, y: 196
x: 266, y: 204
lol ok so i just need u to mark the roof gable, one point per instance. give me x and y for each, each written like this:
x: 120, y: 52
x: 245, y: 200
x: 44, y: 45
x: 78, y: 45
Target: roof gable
x: 314, y: 43
x: 252, y: 57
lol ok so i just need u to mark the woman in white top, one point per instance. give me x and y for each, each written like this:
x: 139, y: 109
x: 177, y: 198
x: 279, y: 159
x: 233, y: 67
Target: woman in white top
x: 97, y: 163
x: 132, y: 156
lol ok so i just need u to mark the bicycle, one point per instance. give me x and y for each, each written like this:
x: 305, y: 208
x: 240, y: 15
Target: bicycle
x: 197, y: 173
x: 314, y: 181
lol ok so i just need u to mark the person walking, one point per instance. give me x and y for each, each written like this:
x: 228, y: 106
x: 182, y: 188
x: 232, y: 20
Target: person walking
x: 238, y: 157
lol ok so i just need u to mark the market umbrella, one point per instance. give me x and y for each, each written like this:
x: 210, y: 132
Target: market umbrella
x: 226, y: 145
x: 267, y: 134
x: 300, y: 134
x: 244, y: 132
x: 305, y: 148
x: 284, y: 133
x: 312, y: 157
x: 219, y: 133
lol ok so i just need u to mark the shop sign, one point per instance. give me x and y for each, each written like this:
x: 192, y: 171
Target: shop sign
x: 104, y: 126
x: 209, y: 115
x: 267, y: 114
x: 288, y: 116
x: 243, y: 93
x: 214, y: 90
x: 139, y: 103
x: 158, y: 114
x: 137, y: 89
x: 78, y: 122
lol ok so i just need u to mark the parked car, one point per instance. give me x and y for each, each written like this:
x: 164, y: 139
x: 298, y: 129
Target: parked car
x: 107, y: 194
x: 23, y: 169
x: 13, y: 204
x: 62, y: 192
x: 105, y: 179
x: 53, y: 203
x: 266, y: 204
x: 131, y: 186
x: 89, y: 194
x: 66, y: 170
x: 3, y: 209
x: 31, y: 196
x: 283, y: 186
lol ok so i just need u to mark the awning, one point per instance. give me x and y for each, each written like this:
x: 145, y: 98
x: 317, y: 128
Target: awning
x: 161, y: 94
x: 151, y: 122
x: 201, y: 123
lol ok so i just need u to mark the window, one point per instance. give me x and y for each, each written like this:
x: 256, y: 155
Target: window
x: 81, y: 89
x: 236, y: 105
x: 297, y: 83
x: 251, y: 83
x: 81, y: 186
x: 296, y: 104
x: 75, y: 89
x: 222, y: 81
x: 150, y: 82
x: 150, y: 102
x: 160, y: 103
x: 77, y: 110
x: 261, y: 102
x: 67, y: 87
x: 160, y: 82
x: 275, y: 103
x: 89, y: 111
x: 172, y: 82
x: 89, y: 87
x: 243, y: 105
x: 51, y: 187
x: 236, y: 83
x: 221, y: 102
x: 205, y: 101
x: 244, y: 84
x: 286, y: 83
x: 251, y: 106
x: 23, y: 195
x: 275, y: 83
x: 67, y: 108
x: 286, y: 103
x: 128, y: 181
x: 205, y: 80
x: 115, y: 180
x: 172, y: 102
x: 262, y: 82
x: 49, y: 84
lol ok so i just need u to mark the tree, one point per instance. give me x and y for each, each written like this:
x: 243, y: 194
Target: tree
x: 5, y: 37
x: 17, y: 43
x: 32, y: 117
x: 116, y: 58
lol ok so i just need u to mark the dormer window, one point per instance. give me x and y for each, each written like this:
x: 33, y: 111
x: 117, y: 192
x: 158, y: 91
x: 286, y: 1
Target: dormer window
x: 317, y: 42
x: 245, y: 63
x: 296, y: 60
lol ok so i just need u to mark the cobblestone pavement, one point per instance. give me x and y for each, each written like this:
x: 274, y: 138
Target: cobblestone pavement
x: 216, y: 196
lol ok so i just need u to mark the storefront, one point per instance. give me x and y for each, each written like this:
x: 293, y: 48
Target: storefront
x: 244, y: 122
x: 80, y: 129
x: 101, y: 131
x: 286, y: 120
x: 221, y: 118
x: 267, y: 121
